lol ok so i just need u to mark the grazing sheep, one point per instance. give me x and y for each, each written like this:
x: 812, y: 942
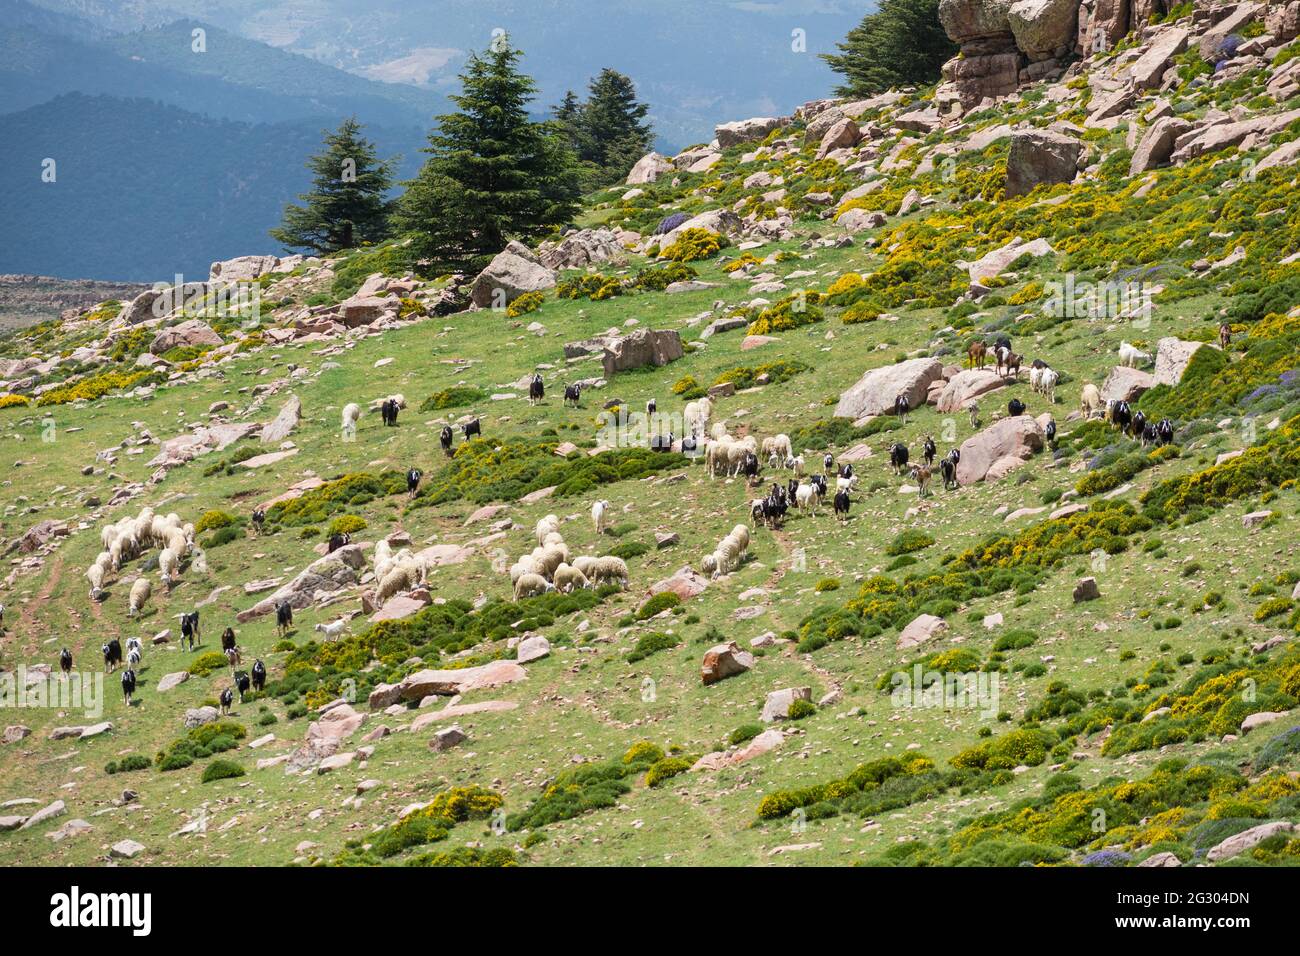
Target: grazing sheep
x: 1089, y: 400
x: 531, y: 585
x: 525, y: 565
x: 140, y: 592
x: 168, y: 567
x: 777, y: 449
x: 569, y: 578
x: 351, y: 415
x: 609, y: 569
x: 584, y: 563
x: 545, y: 526
x: 402, y: 577
x: 95, y: 575
x: 1132, y: 356
x: 741, y: 533
x: 598, y: 512
x: 548, y: 559
x: 709, y: 564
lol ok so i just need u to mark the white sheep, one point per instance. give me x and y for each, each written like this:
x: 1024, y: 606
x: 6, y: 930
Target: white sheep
x: 531, y: 585
x: 351, y: 415
x: 569, y: 578
x: 1089, y: 400
x: 168, y: 567
x: 741, y: 533
x: 140, y: 592
x: 584, y: 563
x: 525, y: 565
x: 546, y: 526
x: 1047, y: 384
x: 777, y: 449
x: 599, y: 510
x: 400, y: 578
x: 95, y: 575
x: 550, y: 558
x: 609, y: 569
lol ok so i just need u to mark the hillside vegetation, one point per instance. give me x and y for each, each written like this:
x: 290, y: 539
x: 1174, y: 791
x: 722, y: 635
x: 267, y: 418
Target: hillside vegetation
x: 1123, y: 611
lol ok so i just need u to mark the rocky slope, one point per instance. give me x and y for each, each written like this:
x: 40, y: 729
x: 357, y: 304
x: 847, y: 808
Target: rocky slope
x: 1086, y: 626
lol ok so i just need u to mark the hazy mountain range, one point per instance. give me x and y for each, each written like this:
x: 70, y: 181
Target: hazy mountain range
x: 140, y: 122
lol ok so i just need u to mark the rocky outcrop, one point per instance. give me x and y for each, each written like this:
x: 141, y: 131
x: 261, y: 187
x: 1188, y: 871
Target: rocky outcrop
x: 922, y: 629
x: 648, y: 169
x: 584, y: 247
x: 242, y: 269
x: 966, y: 387
x: 514, y: 271
x: 1157, y: 144
x: 190, y: 333
x: 1173, y: 355
x: 1039, y: 157
x: 643, y: 347
x: 446, y: 683
x: 1014, y: 438
x: 1125, y: 384
x: 746, y: 130
x: 323, y: 576
x: 721, y: 222
x: 875, y: 392
x: 285, y: 421
x: 724, y: 660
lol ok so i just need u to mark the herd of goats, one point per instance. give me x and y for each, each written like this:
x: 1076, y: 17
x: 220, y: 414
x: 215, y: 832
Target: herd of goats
x: 551, y: 566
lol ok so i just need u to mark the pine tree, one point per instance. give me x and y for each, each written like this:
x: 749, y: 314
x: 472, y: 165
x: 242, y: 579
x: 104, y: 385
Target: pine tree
x: 492, y: 174
x: 568, y: 118
x: 901, y: 44
x: 348, y: 203
x: 612, y: 125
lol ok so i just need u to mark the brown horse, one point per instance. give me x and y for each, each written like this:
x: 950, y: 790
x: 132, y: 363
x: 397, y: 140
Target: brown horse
x: 976, y: 353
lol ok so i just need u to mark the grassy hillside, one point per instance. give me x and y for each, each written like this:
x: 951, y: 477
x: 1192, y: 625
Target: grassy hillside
x: 1117, y: 730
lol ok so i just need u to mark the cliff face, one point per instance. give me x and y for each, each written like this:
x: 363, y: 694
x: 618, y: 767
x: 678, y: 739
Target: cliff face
x: 1007, y: 43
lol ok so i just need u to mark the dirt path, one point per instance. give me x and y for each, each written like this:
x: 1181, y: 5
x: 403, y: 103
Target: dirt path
x: 27, y: 618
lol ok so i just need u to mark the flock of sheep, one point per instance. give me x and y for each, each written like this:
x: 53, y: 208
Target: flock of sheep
x: 129, y: 538
x: 395, y: 573
x: 552, y: 567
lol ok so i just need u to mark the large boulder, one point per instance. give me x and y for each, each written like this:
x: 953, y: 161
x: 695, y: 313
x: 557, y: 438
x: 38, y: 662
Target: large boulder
x: 1125, y: 384
x: 746, y: 130
x: 648, y: 169
x: 329, y: 574
x: 191, y: 332
x: 997, y: 261
x: 1241, y: 842
x: 1149, y: 69
x: 720, y: 222
x: 875, y: 392
x: 922, y: 629
x: 1017, y: 437
x: 336, y: 724
x: 1173, y: 355
x: 643, y: 347
x: 1215, y: 43
x: 285, y: 421
x: 778, y: 703
x: 1043, y: 28
x: 446, y: 683
x: 582, y: 248
x: 967, y: 386
x: 1157, y: 144
x: 1040, y: 157
x: 242, y: 269
x: 514, y: 271
x: 724, y: 660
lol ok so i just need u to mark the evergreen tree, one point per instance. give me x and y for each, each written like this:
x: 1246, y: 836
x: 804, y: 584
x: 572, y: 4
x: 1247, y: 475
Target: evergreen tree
x: 348, y: 203
x: 901, y: 44
x: 612, y: 125
x: 492, y: 174
x: 568, y: 118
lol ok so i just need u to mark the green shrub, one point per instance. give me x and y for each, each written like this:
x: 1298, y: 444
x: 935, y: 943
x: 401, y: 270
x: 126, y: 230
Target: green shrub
x: 455, y: 397
x: 652, y: 643
x: 657, y: 604
x: 222, y: 770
